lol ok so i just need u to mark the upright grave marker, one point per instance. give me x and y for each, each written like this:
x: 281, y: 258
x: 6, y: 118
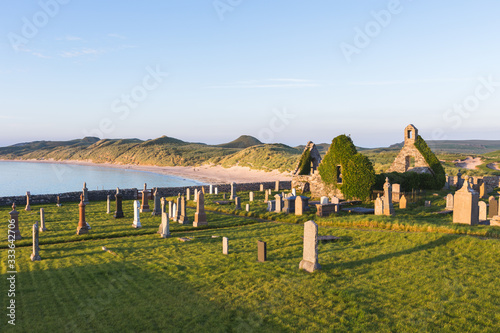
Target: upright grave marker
x: 200, y: 217
x: 466, y: 205
x: 119, y: 208
x: 85, y: 192
x: 145, y: 205
x: 156, y: 199
x: 82, y: 224
x: 188, y: 194
x: 35, y: 256
x: 483, y: 208
x: 261, y: 251
x: 108, y: 205
x: 225, y: 245
x: 449, y: 202
x: 277, y: 186
x: 232, y: 192
x: 309, y: 261
x: 137, y: 218
x: 237, y: 203
x: 493, y: 207
x: 164, y: 226
x: 387, y: 199
x: 250, y: 196
x: 28, y: 207
x: 402, y: 202
x: 42, y: 220
x: 14, y: 216
x: 183, y: 218
x: 58, y: 202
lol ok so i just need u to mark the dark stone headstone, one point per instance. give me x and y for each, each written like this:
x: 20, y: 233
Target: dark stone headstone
x: 119, y: 209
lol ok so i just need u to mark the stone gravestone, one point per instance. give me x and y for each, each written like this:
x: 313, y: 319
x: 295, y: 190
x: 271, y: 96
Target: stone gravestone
x: 466, y: 205
x: 387, y: 199
x: 178, y: 209
x: 250, y: 196
x: 35, y: 256
x: 203, y: 190
x: 164, y: 226
x: 493, y: 207
x: 396, y: 192
x: 289, y: 205
x: 183, y: 218
x: 402, y: 202
x: 449, y: 202
x: 309, y: 261
x: 278, y: 204
x: 195, y: 198
x: 28, y: 207
x: 216, y: 191
x: 14, y: 219
x: 85, y: 193
x: 232, y: 192
x: 335, y: 200
x: 210, y: 189
x: 145, y: 205
x: 174, y: 212
x: 261, y: 187
x: 108, y: 205
x: 156, y: 199
x: 379, y: 206
x: 427, y: 203
x: 170, y: 209
x: 225, y: 245
x: 163, y: 208
x: 261, y: 251
x: 82, y: 224
x: 294, y: 192
x: 42, y: 220
x: 277, y: 186
x: 266, y: 198
x: 200, y: 217
x: 298, y: 206
x: 271, y: 206
x: 460, y: 181
x: 237, y: 203
x: 483, y: 208
x: 188, y: 194
x: 323, y: 201
x: 247, y: 207
x: 137, y: 218
x: 482, y: 190
x: 119, y: 208
x: 58, y: 202
x: 270, y: 191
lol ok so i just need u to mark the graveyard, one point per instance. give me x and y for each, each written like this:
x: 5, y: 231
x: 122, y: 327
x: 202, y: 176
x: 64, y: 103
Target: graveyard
x: 413, y: 271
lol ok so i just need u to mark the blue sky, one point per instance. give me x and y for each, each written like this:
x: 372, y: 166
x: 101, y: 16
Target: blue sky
x: 283, y: 71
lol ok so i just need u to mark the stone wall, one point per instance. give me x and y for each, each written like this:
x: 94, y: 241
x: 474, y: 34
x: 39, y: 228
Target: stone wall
x: 400, y: 163
x: 316, y: 186
x: 131, y: 194
x: 491, y: 182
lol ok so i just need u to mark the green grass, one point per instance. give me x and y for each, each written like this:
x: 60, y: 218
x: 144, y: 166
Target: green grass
x: 372, y: 280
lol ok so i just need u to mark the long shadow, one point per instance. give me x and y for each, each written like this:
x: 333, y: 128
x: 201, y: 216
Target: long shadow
x: 353, y: 264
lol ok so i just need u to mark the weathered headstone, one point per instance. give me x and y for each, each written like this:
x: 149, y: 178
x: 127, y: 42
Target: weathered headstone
x: 203, y: 190
x: 145, y: 195
x: 108, y: 205
x: 85, y: 193
x: 178, y: 209
x: 174, y: 212
x: 183, y: 218
x: 200, y: 217
x: 483, y: 208
x: 247, y: 207
x: 299, y: 206
x: 309, y: 261
x: 237, y: 203
x: 278, y: 203
x: 460, y: 180
x: 224, y: 196
x: 277, y: 186
x: 294, y: 192
x: 225, y: 245
x: 195, y: 199
x: 402, y: 202
x: 14, y: 219
x: 35, y: 255
x: 210, y: 189
x: 137, y: 218
x: 233, y: 195
x: 28, y: 207
x: 119, y: 208
x: 216, y: 190
x: 335, y: 200
x: 42, y: 220
x: 449, y: 202
x: 82, y: 224
x: 164, y: 226
x: 266, y: 198
x: 323, y: 200
x: 163, y: 207
x: 466, y: 205
x: 271, y: 206
x: 261, y: 251
x: 58, y: 202
x: 250, y: 196
x: 289, y: 205
x: 170, y: 209
x: 482, y: 190
x: 387, y: 199
x: 261, y: 187
x: 188, y: 194
x: 156, y: 200
x: 493, y: 207
x: 379, y: 206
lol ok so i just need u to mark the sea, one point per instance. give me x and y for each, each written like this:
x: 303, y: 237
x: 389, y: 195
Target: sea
x: 16, y: 178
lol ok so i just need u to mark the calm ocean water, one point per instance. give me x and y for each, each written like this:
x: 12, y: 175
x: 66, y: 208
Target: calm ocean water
x: 46, y: 178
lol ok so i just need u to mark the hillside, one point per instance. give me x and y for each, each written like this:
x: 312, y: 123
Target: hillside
x: 474, y: 147
x: 244, y: 141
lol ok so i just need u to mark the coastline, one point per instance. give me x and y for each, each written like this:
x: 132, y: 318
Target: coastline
x: 210, y: 174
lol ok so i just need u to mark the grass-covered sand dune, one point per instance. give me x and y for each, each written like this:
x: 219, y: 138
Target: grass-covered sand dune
x: 374, y: 279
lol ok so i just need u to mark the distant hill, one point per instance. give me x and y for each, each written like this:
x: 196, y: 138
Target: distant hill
x: 473, y: 147
x: 243, y: 141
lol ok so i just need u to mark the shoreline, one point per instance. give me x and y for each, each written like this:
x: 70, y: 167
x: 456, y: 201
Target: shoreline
x: 210, y: 174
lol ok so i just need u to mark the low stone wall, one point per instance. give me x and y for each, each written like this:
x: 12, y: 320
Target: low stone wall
x: 131, y: 194
x: 314, y: 184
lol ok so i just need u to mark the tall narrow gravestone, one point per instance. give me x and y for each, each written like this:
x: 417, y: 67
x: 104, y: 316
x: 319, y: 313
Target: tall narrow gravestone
x: 85, y: 192
x: 163, y: 208
x: 216, y: 191
x: 137, y: 218
x: 108, y: 205
x: 482, y: 190
x: 170, y: 209
x: 237, y: 203
x: 210, y: 189
x: 174, y: 212
x: 266, y: 198
x: 188, y: 194
x: 387, y: 199
x: 183, y: 218
x: 119, y: 208
x: 145, y: 205
x: 483, y: 208
x: 42, y: 220
x: 379, y: 206
x: 156, y: 199
x: 82, y: 224
x: 35, y: 256
x: 493, y: 209
x: 232, y: 192
x: 164, y: 226
x: 195, y: 194
x: 309, y: 261
x: 299, y: 206
x: 466, y: 205
x: 250, y: 196
x: 14, y: 220
x: 225, y: 245
x: 277, y: 186
x: 449, y: 202
x: 28, y: 207
x: 279, y: 203
x: 261, y: 251
x: 200, y: 217
x: 58, y: 202
x: 178, y: 209
x: 261, y: 187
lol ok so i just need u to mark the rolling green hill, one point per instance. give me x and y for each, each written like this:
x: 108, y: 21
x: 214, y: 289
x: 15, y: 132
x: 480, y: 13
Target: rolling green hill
x: 244, y: 141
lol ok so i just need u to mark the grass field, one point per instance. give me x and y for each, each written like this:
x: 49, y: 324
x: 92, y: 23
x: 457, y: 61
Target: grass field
x: 372, y: 279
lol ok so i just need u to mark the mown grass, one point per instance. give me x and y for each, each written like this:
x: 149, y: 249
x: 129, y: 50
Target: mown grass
x: 371, y: 281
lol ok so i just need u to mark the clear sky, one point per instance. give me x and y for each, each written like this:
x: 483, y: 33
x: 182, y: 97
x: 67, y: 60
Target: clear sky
x: 285, y: 71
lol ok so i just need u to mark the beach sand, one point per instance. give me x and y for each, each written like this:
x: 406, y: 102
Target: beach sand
x: 468, y: 163
x: 210, y: 174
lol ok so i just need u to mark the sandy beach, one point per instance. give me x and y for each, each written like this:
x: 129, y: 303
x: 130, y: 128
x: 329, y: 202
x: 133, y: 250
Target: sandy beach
x: 211, y: 174
x: 468, y: 163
